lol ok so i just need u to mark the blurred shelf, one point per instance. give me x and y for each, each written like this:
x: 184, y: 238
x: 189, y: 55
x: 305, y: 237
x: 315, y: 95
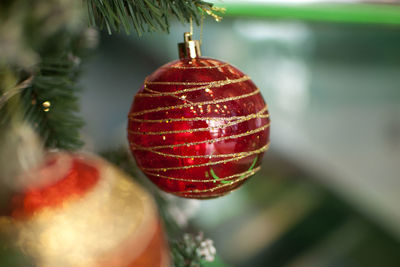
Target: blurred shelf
x: 350, y: 12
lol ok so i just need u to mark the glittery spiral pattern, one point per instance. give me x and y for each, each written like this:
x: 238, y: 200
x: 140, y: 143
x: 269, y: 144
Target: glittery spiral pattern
x: 199, y: 128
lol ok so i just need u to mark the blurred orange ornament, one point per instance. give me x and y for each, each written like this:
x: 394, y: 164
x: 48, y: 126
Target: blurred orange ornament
x: 82, y: 211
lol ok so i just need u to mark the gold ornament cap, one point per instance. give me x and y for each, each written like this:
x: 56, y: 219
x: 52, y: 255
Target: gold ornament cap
x: 189, y: 48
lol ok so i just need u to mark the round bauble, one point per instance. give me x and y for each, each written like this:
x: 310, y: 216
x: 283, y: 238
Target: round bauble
x: 198, y: 127
x: 82, y: 212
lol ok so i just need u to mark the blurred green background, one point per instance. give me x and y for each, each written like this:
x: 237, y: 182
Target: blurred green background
x: 329, y: 189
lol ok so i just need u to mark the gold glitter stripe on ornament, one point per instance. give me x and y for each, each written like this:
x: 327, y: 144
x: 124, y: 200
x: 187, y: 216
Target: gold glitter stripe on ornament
x: 214, y: 188
x: 197, y: 196
x: 208, y: 196
x: 265, y: 148
x: 215, y: 140
x: 196, y: 103
x: 195, y: 83
x: 191, y: 195
x: 239, y: 154
x: 258, y: 114
x: 183, y: 99
x: 198, y: 67
x: 264, y: 116
x: 247, y: 173
x: 209, y: 85
x: 204, y: 129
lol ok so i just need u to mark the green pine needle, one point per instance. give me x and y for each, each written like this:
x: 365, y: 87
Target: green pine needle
x: 54, y: 85
x: 142, y: 15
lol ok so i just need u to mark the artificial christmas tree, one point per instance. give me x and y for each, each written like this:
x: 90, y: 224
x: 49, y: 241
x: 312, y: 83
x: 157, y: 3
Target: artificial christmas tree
x: 42, y: 46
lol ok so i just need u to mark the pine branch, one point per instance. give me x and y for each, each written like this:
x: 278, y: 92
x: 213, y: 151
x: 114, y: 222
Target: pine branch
x: 50, y: 104
x: 50, y: 101
x: 47, y: 100
x: 42, y: 40
x: 143, y: 15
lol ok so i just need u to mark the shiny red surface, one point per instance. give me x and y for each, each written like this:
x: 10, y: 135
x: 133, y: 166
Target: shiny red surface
x: 183, y: 71
x: 81, y: 177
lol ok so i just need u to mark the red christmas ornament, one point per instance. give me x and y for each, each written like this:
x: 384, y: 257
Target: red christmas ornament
x: 79, y: 210
x: 198, y: 127
x: 77, y: 181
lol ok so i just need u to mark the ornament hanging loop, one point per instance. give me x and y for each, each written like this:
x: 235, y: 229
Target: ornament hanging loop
x: 191, y: 25
x: 190, y: 48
